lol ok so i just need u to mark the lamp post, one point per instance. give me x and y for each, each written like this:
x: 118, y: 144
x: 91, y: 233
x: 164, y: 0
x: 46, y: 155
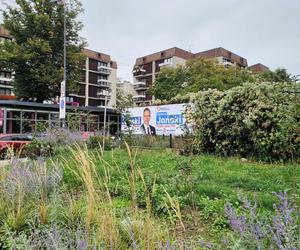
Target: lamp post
x: 62, y: 101
x: 106, y: 93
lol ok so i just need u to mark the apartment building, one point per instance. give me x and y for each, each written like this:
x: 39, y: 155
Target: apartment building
x: 258, y: 68
x: 6, y: 75
x: 146, y: 68
x: 225, y: 57
x: 98, y: 82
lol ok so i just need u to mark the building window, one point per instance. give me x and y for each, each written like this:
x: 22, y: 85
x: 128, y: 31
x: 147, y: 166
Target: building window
x: 4, y: 91
x: 144, y: 59
x: 102, y: 77
x: 162, y: 54
x: 7, y: 75
x: 102, y: 64
x: 168, y: 60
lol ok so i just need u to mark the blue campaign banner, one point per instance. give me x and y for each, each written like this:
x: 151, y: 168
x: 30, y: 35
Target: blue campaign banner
x: 135, y: 121
x: 165, y: 118
x: 158, y: 120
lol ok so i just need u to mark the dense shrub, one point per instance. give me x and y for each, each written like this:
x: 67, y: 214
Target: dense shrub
x: 97, y: 141
x: 51, y: 142
x: 38, y: 148
x: 254, y: 120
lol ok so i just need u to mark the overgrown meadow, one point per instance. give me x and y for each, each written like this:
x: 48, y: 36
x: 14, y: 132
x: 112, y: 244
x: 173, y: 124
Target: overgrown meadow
x: 86, y: 198
x: 233, y: 184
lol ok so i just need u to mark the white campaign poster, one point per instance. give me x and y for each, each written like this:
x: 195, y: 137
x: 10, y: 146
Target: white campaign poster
x: 158, y: 120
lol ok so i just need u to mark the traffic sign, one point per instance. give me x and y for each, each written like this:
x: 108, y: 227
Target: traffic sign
x: 62, y: 89
x: 62, y: 108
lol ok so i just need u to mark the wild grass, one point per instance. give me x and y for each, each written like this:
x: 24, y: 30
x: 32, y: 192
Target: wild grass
x: 131, y: 199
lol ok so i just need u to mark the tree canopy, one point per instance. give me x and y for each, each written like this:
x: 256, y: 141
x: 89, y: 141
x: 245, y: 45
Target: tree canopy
x: 278, y: 75
x: 203, y: 73
x: 36, y: 52
x: 198, y: 74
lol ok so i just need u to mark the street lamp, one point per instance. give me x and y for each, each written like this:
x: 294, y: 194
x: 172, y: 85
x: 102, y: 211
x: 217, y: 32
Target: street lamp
x: 106, y: 94
x: 62, y: 101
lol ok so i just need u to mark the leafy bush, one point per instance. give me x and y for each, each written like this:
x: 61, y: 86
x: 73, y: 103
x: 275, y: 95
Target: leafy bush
x: 96, y: 141
x: 253, y: 120
x: 38, y: 148
x: 50, y: 142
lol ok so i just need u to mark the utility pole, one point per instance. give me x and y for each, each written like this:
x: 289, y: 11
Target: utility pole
x: 104, y: 126
x: 62, y: 101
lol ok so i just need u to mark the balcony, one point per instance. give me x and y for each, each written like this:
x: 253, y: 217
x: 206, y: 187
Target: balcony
x: 102, y: 94
x: 139, y: 98
x: 138, y: 70
x: 104, y: 83
x: 6, y: 79
x: 104, y: 70
x: 139, y: 86
x: 165, y: 64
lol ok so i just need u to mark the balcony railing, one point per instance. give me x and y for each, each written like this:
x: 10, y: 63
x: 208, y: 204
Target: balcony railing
x: 104, y: 83
x: 138, y: 98
x: 104, y: 70
x: 139, y: 85
x: 6, y: 79
x: 165, y: 64
x: 139, y: 70
x: 103, y: 94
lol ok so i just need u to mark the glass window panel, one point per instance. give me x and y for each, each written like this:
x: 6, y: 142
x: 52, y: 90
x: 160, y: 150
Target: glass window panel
x: 42, y: 116
x: 28, y: 115
x: 13, y: 114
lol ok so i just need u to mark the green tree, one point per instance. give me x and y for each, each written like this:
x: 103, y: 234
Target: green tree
x: 198, y: 74
x: 123, y: 101
x: 122, y: 104
x: 36, y: 51
x: 169, y: 83
x: 279, y: 75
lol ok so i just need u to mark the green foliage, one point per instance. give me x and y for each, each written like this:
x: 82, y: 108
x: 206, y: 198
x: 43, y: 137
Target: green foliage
x: 279, y: 75
x: 36, y: 52
x: 201, y: 184
x: 38, y: 148
x: 198, y: 74
x: 97, y: 142
x: 123, y: 101
x: 170, y: 82
x: 253, y: 120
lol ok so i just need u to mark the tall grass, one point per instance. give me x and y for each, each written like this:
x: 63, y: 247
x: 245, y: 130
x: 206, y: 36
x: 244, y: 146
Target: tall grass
x: 138, y: 228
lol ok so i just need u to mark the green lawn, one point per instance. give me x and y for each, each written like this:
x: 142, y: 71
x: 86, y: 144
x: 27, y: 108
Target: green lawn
x: 216, y: 177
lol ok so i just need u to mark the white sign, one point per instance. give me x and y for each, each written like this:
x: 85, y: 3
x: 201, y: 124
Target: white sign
x: 157, y: 120
x: 62, y: 89
x: 62, y: 108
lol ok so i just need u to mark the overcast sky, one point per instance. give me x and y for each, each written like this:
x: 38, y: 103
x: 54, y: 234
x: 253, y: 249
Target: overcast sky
x: 265, y: 31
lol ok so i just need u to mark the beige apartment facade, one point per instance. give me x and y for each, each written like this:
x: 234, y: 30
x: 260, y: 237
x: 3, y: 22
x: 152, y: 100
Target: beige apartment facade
x: 98, y: 82
x: 6, y: 75
x: 147, y: 67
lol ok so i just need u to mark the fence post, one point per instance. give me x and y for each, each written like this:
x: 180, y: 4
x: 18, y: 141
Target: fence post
x: 171, y: 141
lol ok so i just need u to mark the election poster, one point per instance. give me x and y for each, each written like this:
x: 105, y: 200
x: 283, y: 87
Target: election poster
x: 157, y: 120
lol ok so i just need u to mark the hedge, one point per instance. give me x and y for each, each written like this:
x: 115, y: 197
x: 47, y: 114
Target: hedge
x: 252, y: 120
